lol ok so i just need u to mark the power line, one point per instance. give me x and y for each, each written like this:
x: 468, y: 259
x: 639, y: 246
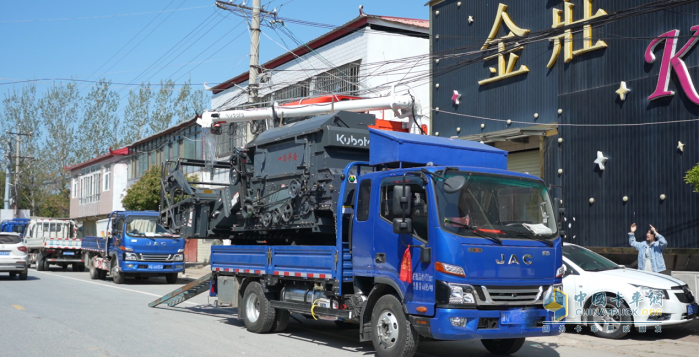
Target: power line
x: 108, y: 16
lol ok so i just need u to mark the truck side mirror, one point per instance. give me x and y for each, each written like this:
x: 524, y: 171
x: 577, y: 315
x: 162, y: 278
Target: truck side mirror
x: 425, y: 255
x: 402, y: 226
x: 401, y: 201
x: 216, y: 129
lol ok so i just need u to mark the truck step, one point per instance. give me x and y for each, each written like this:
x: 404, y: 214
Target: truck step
x: 184, y: 293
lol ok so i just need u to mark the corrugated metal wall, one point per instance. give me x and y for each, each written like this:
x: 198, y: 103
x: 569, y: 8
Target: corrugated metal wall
x: 643, y: 160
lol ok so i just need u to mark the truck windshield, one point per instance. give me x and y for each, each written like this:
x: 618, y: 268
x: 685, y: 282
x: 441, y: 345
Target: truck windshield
x: 495, y: 206
x: 145, y: 227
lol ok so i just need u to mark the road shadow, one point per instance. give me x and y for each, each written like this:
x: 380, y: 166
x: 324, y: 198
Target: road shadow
x: 7, y: 277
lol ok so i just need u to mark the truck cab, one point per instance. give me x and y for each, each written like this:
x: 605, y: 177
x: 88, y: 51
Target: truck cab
x: 134, y: 245
x: 16, y: 225
x: 471, y: 251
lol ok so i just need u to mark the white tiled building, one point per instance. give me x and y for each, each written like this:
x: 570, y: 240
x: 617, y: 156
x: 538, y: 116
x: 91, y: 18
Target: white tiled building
x: 368, y: 55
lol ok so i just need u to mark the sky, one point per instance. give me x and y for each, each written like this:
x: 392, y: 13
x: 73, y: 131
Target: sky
x: 133, y: 41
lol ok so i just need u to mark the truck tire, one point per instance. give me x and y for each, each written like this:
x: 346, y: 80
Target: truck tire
x: 94, y: 273
x: 503, y: 347
x: 391, y: 332
x: 46, y: 264
x: 13, y: 274
x: 23, y: 275
x: 78, y: 267
x: 171, y: 278
x: 39, y: 262
x: 281, y: 320
x: 117, y: 276
x: 102, y: 274
x: 258, y: 315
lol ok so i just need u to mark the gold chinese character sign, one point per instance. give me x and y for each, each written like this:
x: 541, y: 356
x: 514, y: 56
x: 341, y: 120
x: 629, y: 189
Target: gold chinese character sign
x: 505, y: 69
x: 565, y: 40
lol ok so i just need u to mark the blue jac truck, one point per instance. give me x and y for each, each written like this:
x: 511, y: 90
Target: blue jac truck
x: 425, y: 236
x: 16, y: 225
x: 134, y: 245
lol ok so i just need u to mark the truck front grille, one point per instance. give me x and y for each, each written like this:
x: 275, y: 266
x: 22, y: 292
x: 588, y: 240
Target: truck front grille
x: 510, y: 295
x: 155, y: 257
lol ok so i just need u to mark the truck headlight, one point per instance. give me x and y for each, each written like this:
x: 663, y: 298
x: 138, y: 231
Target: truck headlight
x: 461, y: 294
x: 130, y: 256
x: 178, y: 257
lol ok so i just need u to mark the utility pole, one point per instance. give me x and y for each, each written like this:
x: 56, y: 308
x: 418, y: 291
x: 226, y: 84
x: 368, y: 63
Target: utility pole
x: 8, y: 173
x: 9, y: 162
x: 254, y: 52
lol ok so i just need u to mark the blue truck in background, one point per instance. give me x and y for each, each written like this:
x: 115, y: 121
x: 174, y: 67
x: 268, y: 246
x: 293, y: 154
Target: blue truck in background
x: 16, y: 225
x: 133, y: 244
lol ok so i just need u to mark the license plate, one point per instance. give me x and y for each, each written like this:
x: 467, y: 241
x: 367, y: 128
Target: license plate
x: 155, y: 266
x: 4, y: 253
x: 513, y: 317
x: 68, y: 253
x: 692, y: 309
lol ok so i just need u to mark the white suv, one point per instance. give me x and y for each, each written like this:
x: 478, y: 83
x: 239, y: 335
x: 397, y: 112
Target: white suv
x: 13, y: 255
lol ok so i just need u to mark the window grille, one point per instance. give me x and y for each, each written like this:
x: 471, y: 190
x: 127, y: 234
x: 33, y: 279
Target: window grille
x: 343, y: 79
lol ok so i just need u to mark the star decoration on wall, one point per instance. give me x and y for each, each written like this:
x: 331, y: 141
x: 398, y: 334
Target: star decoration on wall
x: 470, y: 19
x: 601, y: 159
x: 680, y: 146
x: 623, y: 91
x: 456, y: 97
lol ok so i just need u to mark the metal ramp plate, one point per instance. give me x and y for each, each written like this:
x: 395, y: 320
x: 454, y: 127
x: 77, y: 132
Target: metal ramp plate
x: 184, y: 293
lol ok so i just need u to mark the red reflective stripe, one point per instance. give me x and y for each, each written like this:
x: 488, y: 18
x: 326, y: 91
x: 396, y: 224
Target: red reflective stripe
x: 258, y: 272
x: 297, y: 274
x: 276, y: 273
x: 286, y: 273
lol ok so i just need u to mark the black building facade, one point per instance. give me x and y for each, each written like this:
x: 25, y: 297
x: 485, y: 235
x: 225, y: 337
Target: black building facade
x: 561, y: 92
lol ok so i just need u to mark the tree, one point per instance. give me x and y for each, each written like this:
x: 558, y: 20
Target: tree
x: 144, y: 195
x: 99, y: 128
x: 164, y: 110
x: 137, y: 114
x: 60, y: 110
x: 692, y: 178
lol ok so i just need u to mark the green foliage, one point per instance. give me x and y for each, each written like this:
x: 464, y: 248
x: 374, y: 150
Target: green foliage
x: 69, y: 128
x: 144, y: 195
x: 692, y: 178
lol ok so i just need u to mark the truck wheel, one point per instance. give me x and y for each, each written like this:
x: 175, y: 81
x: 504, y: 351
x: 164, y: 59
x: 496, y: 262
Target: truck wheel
x: 23, y: 275
x: 171, y: 278
x: 78, y: 267
x: 13, y: 274
x: 64, y: 267
x: 505, y: 346
x: 281, y: 320
x: 46, y: 264
x: 391, y: 332
x: 117, y: 276
x: 609, y: 325
x: 259, y: 315
x: 39, y: 262
x: 94, y: 273
x: 102, y: 274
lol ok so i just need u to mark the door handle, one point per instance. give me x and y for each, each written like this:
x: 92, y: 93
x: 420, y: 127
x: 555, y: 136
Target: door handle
x: 380, y: 257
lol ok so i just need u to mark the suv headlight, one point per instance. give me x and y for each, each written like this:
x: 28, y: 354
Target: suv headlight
x: 178, y: 257
x: 130, y: 256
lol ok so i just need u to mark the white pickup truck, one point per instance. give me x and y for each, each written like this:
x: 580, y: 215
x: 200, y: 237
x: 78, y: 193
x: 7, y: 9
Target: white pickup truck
x: 54, y: 241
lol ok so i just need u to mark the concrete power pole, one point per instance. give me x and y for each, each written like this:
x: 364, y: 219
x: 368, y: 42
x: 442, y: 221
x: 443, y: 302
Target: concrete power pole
x: 254, y: 52
x: 8, y: 173
x: 17, y: 175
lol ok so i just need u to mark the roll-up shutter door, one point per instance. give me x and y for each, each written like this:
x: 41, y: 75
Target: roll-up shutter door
x: 525, y: 161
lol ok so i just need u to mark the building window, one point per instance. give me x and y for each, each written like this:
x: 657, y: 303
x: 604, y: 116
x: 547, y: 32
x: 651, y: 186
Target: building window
x: 90, y: 185
x: 343, y: 79
x: 75, y: 188
x: 107, y: 174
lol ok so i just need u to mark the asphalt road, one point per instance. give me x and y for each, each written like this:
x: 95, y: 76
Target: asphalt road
x: 59, y: 313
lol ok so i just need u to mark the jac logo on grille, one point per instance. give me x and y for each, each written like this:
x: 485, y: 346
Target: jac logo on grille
x: 527, y: 259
